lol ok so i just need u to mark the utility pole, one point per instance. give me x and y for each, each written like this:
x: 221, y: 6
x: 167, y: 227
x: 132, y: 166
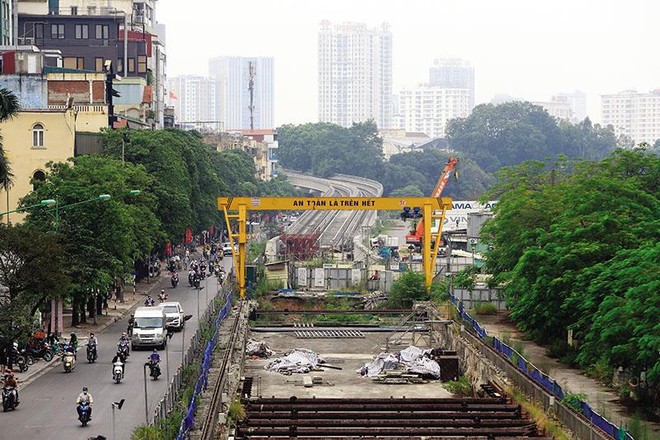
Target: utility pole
x: 251, y: 74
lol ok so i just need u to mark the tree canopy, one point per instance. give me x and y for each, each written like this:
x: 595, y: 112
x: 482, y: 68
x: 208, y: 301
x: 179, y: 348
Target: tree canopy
x: 497, y: 136
x: 575, y: 247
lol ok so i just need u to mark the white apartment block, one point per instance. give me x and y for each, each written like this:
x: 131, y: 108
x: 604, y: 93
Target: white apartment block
x: 427, y: 109
x: 558, y: 108
x: 194, y: 101
x: 239, y: 107
x: 636, y: 115
x: 453, y: 73
x: 578, y: 102
x: 355, y: 74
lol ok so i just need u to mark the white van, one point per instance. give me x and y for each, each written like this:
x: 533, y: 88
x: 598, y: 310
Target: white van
x: 149, y: 328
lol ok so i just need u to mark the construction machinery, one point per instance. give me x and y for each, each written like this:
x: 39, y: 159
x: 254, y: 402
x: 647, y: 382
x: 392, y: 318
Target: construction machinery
x: 417, y: 233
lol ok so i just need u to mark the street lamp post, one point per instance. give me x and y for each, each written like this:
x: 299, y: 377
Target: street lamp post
x: 42, y: 203
x: 146, y: 399
x: 114, y: 405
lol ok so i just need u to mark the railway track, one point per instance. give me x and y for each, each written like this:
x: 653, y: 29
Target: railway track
x: 336, y: 228
x: 207, y: 429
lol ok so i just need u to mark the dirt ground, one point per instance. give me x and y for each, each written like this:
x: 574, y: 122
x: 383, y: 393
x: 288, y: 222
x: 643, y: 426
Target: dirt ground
x: 602, y: 399
x: 347, y: 354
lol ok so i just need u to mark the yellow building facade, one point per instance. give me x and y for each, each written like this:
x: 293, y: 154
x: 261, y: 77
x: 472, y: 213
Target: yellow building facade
x: 35, y: 137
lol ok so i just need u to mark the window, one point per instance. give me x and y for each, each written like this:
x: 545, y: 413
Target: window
x: 99, y: 64
x: 39, y: 31
x: 38, y: 177
x: 142, y: 64
x: 120, y: 66
x: 37, y: 136
x: 82, y: 31
x: 74, y: 63
x: 57, y: 31
x: 102, y: 32
x: 131, y: 64
x: 74, y: 10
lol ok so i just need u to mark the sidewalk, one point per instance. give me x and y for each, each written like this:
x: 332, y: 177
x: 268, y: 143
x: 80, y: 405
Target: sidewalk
x: 603, y: 400
x: 116, y: 311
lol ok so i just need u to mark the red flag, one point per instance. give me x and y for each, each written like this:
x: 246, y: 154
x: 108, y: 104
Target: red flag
x: 168, y: 248
x: 188, y: 235
x: 172, y: 95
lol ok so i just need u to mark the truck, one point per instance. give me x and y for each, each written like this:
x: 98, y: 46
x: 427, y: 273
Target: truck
x: 149, y: 328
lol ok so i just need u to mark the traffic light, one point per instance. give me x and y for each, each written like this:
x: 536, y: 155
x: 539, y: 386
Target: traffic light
x: 110, y: 92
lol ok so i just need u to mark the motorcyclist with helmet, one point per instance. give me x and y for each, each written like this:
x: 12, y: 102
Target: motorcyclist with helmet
x: 124, y: 341
x: 9, y: 381
x: 85, y: 396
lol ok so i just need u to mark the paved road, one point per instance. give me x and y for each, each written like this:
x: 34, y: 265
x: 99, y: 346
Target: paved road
x: 47, y: 410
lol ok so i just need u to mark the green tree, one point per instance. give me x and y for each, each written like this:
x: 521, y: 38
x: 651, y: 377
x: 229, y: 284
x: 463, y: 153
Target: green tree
x: 101, y: 239
x: 9, y: 106
x: 407, y: 289
x: 408, y: 191
x: 32, y: 272
x: 496, y: 136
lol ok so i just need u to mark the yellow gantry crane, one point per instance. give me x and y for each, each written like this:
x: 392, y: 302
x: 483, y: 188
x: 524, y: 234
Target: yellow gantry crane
x: 428, y: 208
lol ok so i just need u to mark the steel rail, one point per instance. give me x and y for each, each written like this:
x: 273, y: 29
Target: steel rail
x: 210, y: 419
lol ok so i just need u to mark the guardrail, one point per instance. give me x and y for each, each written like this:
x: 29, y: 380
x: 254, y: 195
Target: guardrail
x: 537, y: 376
x: 172, y: 394
x: 203, y: 381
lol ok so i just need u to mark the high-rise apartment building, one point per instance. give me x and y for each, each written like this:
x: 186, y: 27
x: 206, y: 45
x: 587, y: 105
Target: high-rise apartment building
x: 355, y: 74
x: 245, y: 95
x: 194, y: 101
x: 453, y: 73
x: 577, y: 101
x: 427, y: 109
x: 636, y: 115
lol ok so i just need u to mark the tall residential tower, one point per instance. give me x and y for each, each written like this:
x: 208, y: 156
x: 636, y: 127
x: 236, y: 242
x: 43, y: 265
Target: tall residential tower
x: 355, y: 74
x: 245, y: 94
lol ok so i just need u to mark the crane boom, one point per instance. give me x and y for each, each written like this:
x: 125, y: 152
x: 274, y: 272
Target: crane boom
x: 415, y: 237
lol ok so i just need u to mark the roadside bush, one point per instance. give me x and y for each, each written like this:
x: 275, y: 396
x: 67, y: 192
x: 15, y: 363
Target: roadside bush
x: 485, y: 308
x: 574, y: 401
x: 460, y: 387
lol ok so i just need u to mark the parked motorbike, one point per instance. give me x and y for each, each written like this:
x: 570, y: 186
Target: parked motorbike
x: 83, y: 413
x: 91, y: 353
x: 175, y: 280
x: 43, y: 351
x: 117, y: 371
x: 154, y: 369
x: 68, y: 361
x: 9, y: 401
x: 21, y: 361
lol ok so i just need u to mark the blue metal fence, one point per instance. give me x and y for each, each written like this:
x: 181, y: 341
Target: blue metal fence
x: 203, y: 380
x: 543, y: 380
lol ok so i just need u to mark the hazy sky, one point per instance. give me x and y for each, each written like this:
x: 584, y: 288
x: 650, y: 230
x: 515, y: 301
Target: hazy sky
x: 524, y: 48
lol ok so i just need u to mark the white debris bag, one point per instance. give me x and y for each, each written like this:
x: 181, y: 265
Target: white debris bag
x: 411, y: 360
x: 258, y: 348
x: 299, y: 360
x: 382, y: 362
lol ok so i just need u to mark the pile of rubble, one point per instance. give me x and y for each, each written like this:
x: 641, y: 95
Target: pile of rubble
x: 412, y: 365
x: 298, y: 360
x: 258, y: 349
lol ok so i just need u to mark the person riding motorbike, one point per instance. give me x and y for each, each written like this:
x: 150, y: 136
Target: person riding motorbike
x: 116, y: 359
x: 86, y: 397
x: 153, y: 363
x: 10, y: 381
x: 149, y: 302
x: 73, y: 343
x: 92, y: 344
x: 162, y: 296
x: 154, y: 357
x: 123, y: 344
x: 131, y: 321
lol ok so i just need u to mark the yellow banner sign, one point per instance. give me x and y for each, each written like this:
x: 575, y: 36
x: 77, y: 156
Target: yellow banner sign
x: 331, y: 203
